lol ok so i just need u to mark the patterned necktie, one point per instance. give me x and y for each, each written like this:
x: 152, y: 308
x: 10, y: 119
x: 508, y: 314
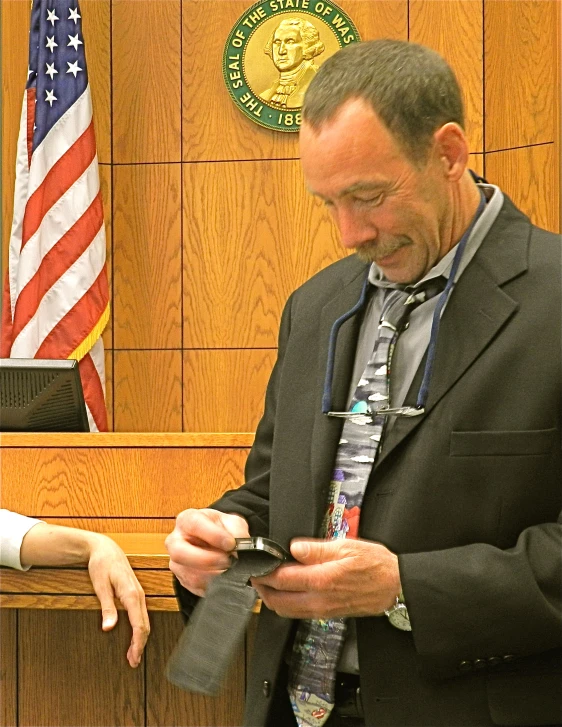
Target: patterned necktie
x: 318, y: 643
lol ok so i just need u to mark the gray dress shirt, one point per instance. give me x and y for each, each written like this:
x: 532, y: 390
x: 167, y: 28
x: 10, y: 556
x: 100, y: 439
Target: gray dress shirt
x: 410, y: 346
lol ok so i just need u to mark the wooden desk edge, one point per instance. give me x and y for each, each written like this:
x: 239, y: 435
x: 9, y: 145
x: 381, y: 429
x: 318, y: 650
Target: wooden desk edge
x: 228, y: 440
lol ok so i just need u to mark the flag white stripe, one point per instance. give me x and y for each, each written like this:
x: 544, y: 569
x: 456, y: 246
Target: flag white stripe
x: 98, y: 358
x: 66, y: 211
x: 61, y: 298
x: 91, y: 422
x: 64, y: 134
x: 20, y: 201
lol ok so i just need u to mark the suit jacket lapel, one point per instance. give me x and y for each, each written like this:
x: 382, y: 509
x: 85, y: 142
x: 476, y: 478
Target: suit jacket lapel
x: 475, y: 314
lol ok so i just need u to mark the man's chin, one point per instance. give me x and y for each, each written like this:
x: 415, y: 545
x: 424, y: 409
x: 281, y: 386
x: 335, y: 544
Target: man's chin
x: 394, y: 266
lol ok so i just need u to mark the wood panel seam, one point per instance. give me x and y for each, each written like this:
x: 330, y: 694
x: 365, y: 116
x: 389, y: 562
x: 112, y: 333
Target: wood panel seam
x: 523, y: 146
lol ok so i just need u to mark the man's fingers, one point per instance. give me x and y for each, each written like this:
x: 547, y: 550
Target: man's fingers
x: 183, y: 552
x: 316, y: 577
x: 309, y: 551
x: 301, y: 605
x: 194, y: 580
x: 216, y: 529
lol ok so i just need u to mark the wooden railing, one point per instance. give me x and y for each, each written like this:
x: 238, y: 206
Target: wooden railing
x: 131, y: 487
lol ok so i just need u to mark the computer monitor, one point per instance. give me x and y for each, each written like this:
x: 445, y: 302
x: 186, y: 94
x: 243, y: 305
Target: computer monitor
x: 41, y: 395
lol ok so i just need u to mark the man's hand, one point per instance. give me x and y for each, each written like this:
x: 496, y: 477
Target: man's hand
x: 200, y: 544
x: 333, y: 578
x: 112, y: 577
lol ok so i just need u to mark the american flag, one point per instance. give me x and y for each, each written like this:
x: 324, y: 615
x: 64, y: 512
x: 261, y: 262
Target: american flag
x: 56, y: 298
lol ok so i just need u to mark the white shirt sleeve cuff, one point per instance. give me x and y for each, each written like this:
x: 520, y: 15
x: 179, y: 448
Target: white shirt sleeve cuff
x: 13, y: 528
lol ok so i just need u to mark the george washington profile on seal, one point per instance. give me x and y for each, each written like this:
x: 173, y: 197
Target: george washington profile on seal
x: 292, y: 47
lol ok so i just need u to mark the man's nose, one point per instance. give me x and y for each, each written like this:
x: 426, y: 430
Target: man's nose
x: 354, y: 229
x: 282, y: 48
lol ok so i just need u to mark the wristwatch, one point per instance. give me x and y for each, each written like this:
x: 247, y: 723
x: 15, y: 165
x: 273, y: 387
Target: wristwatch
x: 398, y: 614
x: 216, y: 628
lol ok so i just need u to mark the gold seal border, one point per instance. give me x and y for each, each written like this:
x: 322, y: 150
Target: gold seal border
x: 274, y: 13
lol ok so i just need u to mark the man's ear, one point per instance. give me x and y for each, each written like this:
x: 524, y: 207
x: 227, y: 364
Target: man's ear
x: 451, y: 148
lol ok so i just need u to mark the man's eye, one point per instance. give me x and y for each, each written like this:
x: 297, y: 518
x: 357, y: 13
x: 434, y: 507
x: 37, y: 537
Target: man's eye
x: 371, y: 201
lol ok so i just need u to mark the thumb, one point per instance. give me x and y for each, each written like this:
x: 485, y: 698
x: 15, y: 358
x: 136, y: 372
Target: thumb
x: 310, y: 552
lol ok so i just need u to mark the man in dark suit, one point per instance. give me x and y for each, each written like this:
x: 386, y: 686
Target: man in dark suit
x: 458, y: 532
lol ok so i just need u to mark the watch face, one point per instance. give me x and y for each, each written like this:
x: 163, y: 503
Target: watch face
x: 400, y: 618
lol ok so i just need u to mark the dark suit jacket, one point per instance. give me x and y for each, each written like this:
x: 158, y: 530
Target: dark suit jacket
x: 468, y: 495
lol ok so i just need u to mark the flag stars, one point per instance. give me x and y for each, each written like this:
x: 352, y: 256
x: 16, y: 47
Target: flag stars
x: 50, y: 97
x: 73, y: 68
x: 51, y: 70
x: 51, y: 45
x: 74, y: 42
x: 51, y: 16
x: 73, y: 15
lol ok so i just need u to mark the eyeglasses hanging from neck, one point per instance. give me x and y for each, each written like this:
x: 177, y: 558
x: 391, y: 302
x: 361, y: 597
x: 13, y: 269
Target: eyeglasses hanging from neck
x: 367, y: 413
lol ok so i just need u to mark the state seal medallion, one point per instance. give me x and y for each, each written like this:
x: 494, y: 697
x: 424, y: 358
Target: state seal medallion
x: 273, y: 53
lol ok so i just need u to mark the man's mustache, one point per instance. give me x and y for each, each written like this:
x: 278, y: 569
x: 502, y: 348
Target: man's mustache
x: 375, y: 250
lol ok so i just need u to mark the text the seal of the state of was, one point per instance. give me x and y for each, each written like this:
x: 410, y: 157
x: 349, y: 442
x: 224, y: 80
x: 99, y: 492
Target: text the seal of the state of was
x: 274, y: 51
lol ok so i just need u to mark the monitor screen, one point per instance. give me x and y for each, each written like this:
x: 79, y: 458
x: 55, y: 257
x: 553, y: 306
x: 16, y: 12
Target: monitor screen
x: 41, y: 395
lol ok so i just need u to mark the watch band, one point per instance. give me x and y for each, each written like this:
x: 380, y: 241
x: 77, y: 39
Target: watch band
x: 205, y: 649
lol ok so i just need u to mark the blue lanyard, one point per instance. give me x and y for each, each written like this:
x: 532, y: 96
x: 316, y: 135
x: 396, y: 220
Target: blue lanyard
x: 436, y: 320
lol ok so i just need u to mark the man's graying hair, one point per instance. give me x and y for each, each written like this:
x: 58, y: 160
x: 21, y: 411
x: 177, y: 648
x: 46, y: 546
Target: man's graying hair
x: 411, y: 88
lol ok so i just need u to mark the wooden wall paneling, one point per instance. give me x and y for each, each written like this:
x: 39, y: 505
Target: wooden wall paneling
x: 14, y: 57
x: 212, y: 127
x: 109, y: 387
x: 170, y: 706
x: 146, y: 81
x: 147, y: 391
x: 73, y: 674
x: 147, y: 256
x: 96, y: 27
x: 117, y: 525
x: 476, y: 163
x: 224, y: 390
x: 76, y: 582
x: 251, y: 234
x: 107, y: 195
x: 378, y: 18
x: 8, y: 668
x: 520, y: 57
x: 530, y: 177
x: 115, y: 482
x: 454, y: 29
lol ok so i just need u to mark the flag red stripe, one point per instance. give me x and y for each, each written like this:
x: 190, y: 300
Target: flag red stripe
x: 73, y: 328
x: 59, y: 258
x: 93, y: 392
x: 62, y: 175
x: 6, y: 337
x: 30, y: 118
